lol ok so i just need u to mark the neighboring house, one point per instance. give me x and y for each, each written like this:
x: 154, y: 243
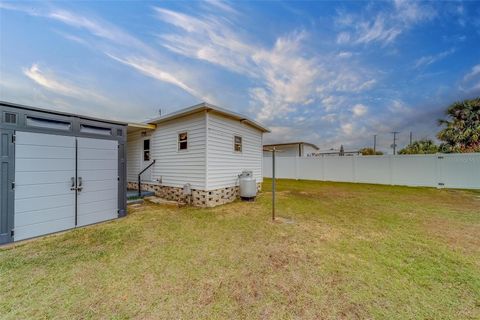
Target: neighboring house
x: 204, y: 147
x: 291, y: 149
x: 333, y: 152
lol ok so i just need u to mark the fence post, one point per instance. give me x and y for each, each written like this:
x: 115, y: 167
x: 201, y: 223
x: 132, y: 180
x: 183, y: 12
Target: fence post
x: 354, y: 168
x: 391, y: 159
x: 323, y: 167
x: 438, y: 171
x: 297, y: 169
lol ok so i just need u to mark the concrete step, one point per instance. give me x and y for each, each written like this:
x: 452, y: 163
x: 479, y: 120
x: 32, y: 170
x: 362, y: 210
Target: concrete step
x: 166, y: 202
x: 133, y: 194
x: 134, y: 201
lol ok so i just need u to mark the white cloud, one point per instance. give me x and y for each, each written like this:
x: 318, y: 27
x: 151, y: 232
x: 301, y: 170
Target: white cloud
x: 398, y: 107
x: 344, y: 54
x: 150, y: 68
x: 62, y: 87
x: 343, y: 37
x: 471, y: 81
x: 285, y: 74
x: 329, y: 117
x: 475, y: 71
x: 359, y: 110
x: 114, y: 39
x: 58, y: 92
x: 345, y: 80
x: 222, y: 5
x: 385, y: 26
x: 428, y: 60
x: 347, y: 128
x: 377, y: 31
x: 99, y: 28
x: 96, y: 27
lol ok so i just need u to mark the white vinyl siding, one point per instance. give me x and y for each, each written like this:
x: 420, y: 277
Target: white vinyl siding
x: 210, y: 161
x: 224, y: 164
x: 307, y: 149
x: 134, y: 155
x: 178, y: 167
x: 173, y: 167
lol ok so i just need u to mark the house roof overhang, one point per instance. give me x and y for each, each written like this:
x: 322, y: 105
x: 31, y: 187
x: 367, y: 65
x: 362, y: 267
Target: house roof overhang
x: 208, y: 108
x: 134, y: 127
x: 291, y: 144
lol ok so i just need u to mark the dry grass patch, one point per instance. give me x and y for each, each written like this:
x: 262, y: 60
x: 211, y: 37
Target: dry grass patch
x: 351, y: 252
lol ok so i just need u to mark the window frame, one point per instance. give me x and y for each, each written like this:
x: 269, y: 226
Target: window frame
x: 178, y: 141
x: 235, y: 143
x: 149, y: 149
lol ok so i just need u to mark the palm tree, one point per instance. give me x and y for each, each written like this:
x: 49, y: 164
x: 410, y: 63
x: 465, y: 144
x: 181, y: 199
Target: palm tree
x: 420, y: 147
x: 461, y: 132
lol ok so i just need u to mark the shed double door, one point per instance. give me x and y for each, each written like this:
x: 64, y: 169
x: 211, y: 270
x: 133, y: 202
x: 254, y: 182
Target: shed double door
x: 62, y: 182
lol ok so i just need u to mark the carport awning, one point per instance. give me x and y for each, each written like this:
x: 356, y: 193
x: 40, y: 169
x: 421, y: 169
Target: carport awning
x: 133, y: 127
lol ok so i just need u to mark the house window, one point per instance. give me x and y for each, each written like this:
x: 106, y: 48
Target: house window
x: 237, y: 144
x: 182, y: 141
x: 146, y: 150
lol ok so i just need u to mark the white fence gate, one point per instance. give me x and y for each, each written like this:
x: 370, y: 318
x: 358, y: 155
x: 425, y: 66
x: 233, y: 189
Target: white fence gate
x: 437, y: 170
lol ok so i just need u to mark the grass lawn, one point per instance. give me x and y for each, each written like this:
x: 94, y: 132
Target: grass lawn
x: 342, y: 251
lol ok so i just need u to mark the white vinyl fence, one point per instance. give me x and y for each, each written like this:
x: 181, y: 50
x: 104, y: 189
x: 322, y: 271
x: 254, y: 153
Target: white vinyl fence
x: 436, y: 170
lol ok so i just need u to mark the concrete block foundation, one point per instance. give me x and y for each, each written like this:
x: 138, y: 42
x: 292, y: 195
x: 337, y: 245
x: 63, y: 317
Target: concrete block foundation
x: 199, y: 198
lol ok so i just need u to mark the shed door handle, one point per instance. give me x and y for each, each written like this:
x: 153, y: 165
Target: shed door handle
x: 79, y: 184
x: 72, y: 187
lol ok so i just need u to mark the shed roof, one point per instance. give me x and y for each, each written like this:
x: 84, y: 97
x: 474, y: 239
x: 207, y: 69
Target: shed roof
x: 208, y: 107
x: 25, y: 107
x: 291, y: 143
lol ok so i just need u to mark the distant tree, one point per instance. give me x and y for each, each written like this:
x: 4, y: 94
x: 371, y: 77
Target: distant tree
x: 420, y: 147
x: 370, y: 152
x: 461, y: 132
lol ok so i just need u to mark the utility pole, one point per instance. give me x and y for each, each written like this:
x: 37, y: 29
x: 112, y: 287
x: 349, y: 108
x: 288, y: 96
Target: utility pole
x: 394, y: 145
x: 374, y: 143
x: 411, y: 137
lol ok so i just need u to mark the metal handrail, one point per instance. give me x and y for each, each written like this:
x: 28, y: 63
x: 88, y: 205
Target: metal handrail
x: 139, y: 183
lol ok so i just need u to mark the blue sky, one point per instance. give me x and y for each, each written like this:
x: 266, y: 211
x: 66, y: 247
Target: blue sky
x: 329, y: 73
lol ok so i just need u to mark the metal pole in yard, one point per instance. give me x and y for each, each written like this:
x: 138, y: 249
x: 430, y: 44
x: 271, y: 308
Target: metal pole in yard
x: 411, y: 136
x: 139, y: 187
x: 273, y: 184
x: 374, y: 143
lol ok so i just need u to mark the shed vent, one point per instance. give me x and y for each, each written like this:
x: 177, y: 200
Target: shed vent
x: 85, y: 128
x: 9, y: 117
x: 48, y: 123
x: 119, y: 132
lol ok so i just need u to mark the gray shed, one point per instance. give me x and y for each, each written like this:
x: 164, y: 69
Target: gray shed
x: 58, y: 171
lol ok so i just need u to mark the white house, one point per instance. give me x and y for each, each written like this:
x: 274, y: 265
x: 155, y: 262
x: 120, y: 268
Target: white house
x: 291, y: 149
x: 204, y: 146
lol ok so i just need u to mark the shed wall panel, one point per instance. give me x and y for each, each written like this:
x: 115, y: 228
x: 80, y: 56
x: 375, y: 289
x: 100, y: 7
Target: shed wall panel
x: 36, y: 202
